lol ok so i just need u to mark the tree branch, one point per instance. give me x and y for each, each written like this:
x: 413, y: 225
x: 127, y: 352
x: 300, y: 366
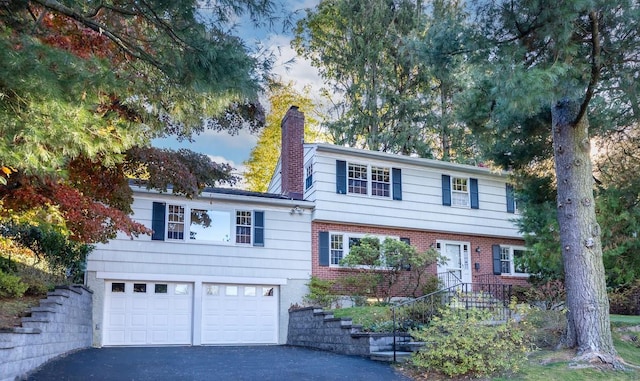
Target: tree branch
x: 596, y: 64
x: 120, y: 41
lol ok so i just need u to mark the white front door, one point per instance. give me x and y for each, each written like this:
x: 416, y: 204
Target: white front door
x: 239, y: 314
x: 457, y: 268
x: 147, y: 313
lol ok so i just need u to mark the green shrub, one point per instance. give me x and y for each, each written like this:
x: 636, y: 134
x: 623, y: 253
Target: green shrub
x: 545, y: 327
x: 462, y: 343
x: 417, y: 315
x: 625, y: 300
x: 11, y: 286
x: 432, y: 284
x: 320, y: 293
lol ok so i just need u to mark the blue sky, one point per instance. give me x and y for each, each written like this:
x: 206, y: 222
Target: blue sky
x: 223, y: 147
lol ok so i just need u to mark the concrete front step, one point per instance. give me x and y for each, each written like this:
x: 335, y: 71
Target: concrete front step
x: 412, y: 346
x: 387, y: 356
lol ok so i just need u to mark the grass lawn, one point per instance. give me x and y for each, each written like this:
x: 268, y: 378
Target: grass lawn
x: 543, y: 365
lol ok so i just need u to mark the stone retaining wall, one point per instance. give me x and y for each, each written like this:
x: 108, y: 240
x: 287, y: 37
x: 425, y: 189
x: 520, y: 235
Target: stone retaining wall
x: 60, y: 324
x: 312, y: 327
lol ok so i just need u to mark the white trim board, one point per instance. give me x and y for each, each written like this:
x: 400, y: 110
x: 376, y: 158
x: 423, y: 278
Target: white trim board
x: 190, y: 278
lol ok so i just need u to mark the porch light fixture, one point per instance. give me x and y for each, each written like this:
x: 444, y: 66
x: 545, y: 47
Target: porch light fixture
x: 296, y: 210
x: 478, y: 250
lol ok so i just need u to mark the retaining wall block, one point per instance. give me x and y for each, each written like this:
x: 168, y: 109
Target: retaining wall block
x: 60, y: 324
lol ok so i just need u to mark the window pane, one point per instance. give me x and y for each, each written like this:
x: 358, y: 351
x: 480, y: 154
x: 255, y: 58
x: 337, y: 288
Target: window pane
x: 459, y: 192
x: 336, y: 249
x: 357, y: 179
x: 231, y: 290
x: 139, y: 287
x: 518, y: 259
x: 160, y: 289
x: 243, y: 226
x: 117, y: 287
x: 175, y: 224
x: 267, y: 291
x: 380, y: 182
x: 210, y: 225
x: 182, y: 289
x: 249, y: 291
x: 212, y: 290
x: 459, y: 184
x: 308, y: 182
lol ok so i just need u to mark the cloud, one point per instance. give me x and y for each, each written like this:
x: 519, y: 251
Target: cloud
x: 299, y: 70
x: 238, y: 171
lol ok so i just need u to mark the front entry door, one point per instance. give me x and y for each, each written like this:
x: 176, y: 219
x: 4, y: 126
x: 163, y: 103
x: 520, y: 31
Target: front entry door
x: 457, y: 268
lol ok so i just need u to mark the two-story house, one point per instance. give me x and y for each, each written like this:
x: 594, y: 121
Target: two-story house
x: 222, y: 268
x: 465, y: 212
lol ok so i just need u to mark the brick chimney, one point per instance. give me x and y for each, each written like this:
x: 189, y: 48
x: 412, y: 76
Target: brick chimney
x: 292, y: 153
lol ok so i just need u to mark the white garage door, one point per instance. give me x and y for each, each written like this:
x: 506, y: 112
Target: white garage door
x: 239, y: 314
x: 147, y: 313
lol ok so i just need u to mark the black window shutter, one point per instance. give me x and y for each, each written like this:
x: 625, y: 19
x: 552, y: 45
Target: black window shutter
x: 446, y: 190
x: 475, y: 202
x: 341, y: 177
x: 157, y: 221
x: 258, y: 228
x: 497, y: 265
x: 323, y: 241
x: 511, y: 201
x: 396, y: 174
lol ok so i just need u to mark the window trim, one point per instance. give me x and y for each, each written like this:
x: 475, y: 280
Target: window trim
x: 511, y: 260
x: 308, y: 180
x: 369, y: 181
x: 467, y: 192
x: 249, y: 227
x: 160, y: 224
x: 186, y: 221
x: 472, y: 192
x: 346, y: 237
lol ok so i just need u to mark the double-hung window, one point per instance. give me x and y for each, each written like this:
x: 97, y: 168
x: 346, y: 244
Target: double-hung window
x: 459, y: 192
x: 380, y: 182
x: 308, y: 181
x: 362, y: 177
x: 358, y: 179
x: 512, y: 260
x: 340, y: 244
x: 336, y: 249
x: 175, y: 222
x: 243, y: 226
x: 368, y: 180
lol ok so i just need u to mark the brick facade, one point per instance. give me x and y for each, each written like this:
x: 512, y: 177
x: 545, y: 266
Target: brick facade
x: 422, y: 240
x: 292, y: 153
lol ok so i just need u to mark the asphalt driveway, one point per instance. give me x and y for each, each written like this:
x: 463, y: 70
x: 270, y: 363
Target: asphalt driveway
x: 251, y: 363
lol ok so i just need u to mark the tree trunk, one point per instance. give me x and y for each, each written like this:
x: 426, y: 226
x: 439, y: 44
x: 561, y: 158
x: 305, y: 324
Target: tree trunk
x: 589, y: 329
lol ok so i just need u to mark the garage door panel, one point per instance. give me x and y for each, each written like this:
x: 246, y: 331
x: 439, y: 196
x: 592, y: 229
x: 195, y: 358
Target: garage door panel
x: 239, y: 314
x: 148, y: 313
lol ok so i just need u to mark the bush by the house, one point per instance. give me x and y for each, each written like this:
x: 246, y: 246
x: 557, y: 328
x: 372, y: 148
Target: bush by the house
x: 11, y: 286
x: 387, y: 269
x: 321, y: 293
x: 465, y: 343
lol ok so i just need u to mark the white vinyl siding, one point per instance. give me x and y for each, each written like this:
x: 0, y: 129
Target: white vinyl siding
x: 421, y: 207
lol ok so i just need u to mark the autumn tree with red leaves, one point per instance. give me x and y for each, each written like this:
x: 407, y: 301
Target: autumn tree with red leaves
x: 86, y: 86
